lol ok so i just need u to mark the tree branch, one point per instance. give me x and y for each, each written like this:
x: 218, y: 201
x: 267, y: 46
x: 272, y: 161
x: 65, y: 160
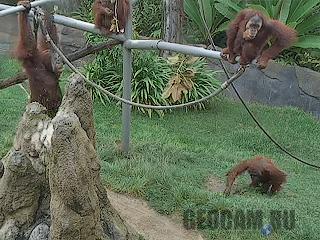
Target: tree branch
x: 89, y: 49
x: 21, y: 77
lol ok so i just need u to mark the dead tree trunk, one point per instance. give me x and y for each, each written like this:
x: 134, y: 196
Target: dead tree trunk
x: 51, y: 187
x: 173, y: 22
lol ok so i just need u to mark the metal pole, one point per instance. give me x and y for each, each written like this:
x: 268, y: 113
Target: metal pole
x: 132, y: 44
x: 74, y: 23
x: 127, y: 77
x: 4, y: 6
x: 16, y: 9
x: 84, y: 26
x: 161, y: 45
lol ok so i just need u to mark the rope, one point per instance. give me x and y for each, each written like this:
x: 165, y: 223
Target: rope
x: 272, y: 139
x: 223, y: 86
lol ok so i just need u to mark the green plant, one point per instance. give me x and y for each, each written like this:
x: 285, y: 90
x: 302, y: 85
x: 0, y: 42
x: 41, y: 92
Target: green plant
x: 309, y: 59
x: 150, y: 75
x: 85, y: 11
x: 202, y: 13
x: 191, y: 80
x: 147, y: 18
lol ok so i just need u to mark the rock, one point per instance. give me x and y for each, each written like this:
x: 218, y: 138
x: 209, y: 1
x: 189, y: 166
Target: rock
x: 278, y: 85
x: 73, y: 198
x: 71, y: 39
x: 51, y: 186
x: 1, y: 169
x: 77, y: 99
x: 40, y: 232
x: 79, y: 205
x: 9, y: 231
x: 21, y: 192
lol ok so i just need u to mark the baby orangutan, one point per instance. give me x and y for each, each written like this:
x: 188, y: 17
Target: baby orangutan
x: 263, y: 173
x: 111, y: 16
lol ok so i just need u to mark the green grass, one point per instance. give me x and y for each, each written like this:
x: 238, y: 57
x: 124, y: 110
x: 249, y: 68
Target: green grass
x: 172, y: 157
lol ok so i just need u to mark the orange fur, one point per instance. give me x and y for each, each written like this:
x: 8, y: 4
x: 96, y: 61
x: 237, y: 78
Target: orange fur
x: 41, y: 65
x: 104, y: 12
x: 262, y: 171
x: 248, y: 50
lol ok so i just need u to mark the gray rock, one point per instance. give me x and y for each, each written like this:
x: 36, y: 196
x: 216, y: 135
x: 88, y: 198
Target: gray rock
x: 71, y: 39
x: 40, y: 232
x: 278, y: 85
x: 69, y: 195
x: 1, y: 169
x: 9, y: 231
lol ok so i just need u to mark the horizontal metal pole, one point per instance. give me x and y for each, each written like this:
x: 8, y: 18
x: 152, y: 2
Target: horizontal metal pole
x: 134, y: 44
x: 4, y: 6
x: 14, y: 9
x: 161, y: 45
x: 74, y: 23
x: 84, y: 26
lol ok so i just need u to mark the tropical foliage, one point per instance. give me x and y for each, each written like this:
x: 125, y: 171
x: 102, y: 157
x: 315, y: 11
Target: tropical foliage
x: 150, y: 76
x: 203, y: 14
x: 304, y: 16
x: 148, y: 17
x: 156, y: 81
x: 191, y: 80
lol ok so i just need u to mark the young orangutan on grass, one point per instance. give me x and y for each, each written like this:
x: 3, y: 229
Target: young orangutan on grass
x: 263, y: 172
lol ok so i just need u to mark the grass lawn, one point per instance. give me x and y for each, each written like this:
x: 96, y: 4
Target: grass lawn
x: 173, y: 157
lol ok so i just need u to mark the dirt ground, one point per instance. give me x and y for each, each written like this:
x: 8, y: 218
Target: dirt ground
x: 148, y: 222
x: 214, y: 184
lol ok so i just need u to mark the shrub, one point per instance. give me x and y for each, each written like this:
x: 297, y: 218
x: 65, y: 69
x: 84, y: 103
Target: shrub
x: 150, y: 76
x: 154, y: 78
x: 191, y: 80
x: 151, y: 73
x: 148, y: 17
x: 309, y: 59
x: 199, y: 10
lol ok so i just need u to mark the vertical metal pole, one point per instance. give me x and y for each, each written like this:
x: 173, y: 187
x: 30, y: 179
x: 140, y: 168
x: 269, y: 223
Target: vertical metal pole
x: 127, y: 77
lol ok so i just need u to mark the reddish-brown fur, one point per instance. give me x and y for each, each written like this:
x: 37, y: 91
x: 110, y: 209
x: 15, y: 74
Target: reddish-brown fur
x: 39, y: 62
x: 281, y: 35
x: 262, y: 171
x: 104, y: 12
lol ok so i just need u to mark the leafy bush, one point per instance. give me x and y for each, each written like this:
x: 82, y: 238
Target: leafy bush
x: 148, y: 17
x: 151, y: 73
x: 150, y: 76
x: 309, y: 59
x: 191, y: 80
x: 199, y: 11
x: 85, y: 11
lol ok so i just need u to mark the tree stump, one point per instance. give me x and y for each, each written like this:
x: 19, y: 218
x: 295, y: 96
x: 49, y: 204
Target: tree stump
x: 50, y: 186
